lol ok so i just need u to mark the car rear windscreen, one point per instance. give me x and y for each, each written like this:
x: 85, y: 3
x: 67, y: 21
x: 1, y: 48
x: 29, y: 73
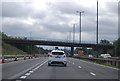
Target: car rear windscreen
x: 57, y: 53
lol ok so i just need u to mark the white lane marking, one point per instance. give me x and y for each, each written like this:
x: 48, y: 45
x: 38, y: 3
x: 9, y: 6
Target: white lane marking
x: 79, y: 67
x: 92, y: 73
x: 24, y: 71
x: 23, y: 76
x: 27, y: 74
x: 35, y: 68
x: 100, y: 65
x: 38, y: 67
x: 43, y: 63
x: 73, y: 63
x: 18, y: 80
x: 31, y: 71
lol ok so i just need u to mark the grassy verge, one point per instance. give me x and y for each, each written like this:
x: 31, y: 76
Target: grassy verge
x: 101, y: 63
x: 7, y: 49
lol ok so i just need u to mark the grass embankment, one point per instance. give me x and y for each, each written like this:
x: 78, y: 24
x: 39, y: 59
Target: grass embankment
x: 0, y: 46
x: 101, y: 63
x: 8, y: 49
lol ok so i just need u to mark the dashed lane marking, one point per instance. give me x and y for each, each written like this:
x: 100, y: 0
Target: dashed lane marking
x: 27, y: 74
x: 79, y: 67
x: 92, y: 73
x: 100, y: 65
x: 24, y: 71
x: 31, y: 71
x: 23, y: 76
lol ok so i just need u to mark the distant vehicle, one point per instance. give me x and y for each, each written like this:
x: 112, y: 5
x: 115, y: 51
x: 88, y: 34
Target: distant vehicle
x: 57, y: 57
x: 90, y: 56
x: 105, y: 56
x: 75, y: 54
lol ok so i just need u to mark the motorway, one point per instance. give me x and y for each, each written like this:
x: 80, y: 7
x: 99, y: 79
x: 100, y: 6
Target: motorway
x: 37, y: 68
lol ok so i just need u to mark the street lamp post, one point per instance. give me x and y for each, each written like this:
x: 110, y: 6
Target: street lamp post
x: 97, y: 24
x: 69, y: 36
x: 80, y: 24
x: 73, y: 33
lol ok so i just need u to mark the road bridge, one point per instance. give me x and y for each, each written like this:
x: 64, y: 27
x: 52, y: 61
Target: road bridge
x: 57, y: 43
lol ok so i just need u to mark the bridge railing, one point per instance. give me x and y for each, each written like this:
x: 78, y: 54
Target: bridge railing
x: 50, y: 39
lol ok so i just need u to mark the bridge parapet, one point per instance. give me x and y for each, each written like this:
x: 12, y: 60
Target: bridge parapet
x: 56, y: 43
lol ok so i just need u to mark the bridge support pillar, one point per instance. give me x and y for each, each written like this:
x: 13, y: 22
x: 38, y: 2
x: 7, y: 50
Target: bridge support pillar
x: 72, y: 50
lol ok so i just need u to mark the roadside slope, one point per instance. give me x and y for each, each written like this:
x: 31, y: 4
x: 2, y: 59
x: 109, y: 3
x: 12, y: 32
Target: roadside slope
x: 8, y: 49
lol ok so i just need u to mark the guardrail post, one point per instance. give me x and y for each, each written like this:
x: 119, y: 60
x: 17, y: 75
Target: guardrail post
x: 29, y: 56
x: 3, y: 60
x: 15, y: 58
x: 24, y: 57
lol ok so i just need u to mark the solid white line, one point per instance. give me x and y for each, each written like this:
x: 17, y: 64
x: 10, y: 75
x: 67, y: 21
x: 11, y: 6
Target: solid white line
x: 92, y: 73
x: 38, y: 67
x: 23, y: 76
x: 73, y: 63
x: 27, y: 74
x: 34, y: 69
x: 17, y: 75
x: 79, y: 67
x: 43, y: 63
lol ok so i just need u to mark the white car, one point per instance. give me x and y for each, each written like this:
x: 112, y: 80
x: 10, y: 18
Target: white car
x: 105, y: 55
x: 57, y: 57
x: 75, y: 54
x: 90, y: 56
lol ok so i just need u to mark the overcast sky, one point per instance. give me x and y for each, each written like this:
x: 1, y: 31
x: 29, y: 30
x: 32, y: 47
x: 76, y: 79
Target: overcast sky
x: 53, y: 19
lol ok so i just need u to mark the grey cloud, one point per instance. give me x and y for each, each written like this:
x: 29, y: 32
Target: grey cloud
x: 56, y: 13
x: 71, y: 8
x: 15, y: 29
x: 112, y: 7
x: 15, y: 9
x: 65, y: 7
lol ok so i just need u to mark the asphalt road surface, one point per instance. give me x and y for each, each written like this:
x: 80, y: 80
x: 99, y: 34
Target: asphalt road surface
x: 37, y: 69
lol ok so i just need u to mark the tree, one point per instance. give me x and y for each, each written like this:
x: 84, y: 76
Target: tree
x: 117, y: 47
x: 105, y: 42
